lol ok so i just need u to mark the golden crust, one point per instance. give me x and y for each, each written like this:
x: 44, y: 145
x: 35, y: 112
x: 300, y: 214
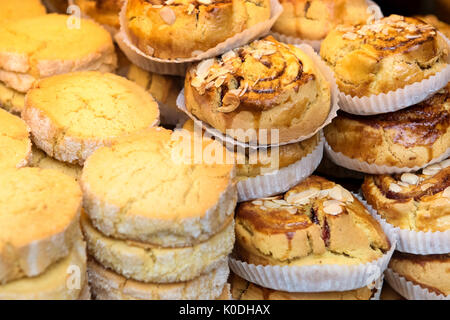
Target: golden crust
x: 263, y: 85
x: 105, y: 12
x: 431, y: 272
x: 434, y: 21
x: 15, y: 144
x: 184, y: 27
x: 12, y: 10
x: 313, y: 20
x: 384, y: 56
x: 308, y: 225
x: 410, y: 201
x: 244, y: 290
x: 407, y: 138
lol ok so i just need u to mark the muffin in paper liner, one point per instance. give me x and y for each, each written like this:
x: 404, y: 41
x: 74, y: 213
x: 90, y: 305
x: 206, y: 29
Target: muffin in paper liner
x: 229, y: 140
x: 361, y: 166
x: 283, y: 179
x: 179, y: 66
x: 317, y: 43
x: 399, y: 99
x: 316, y: 278
x: 414, y: 242
x: 409, y: 290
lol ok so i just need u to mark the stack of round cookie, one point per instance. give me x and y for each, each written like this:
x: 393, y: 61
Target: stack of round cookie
x: 42, y: 253
x: 163, y: 228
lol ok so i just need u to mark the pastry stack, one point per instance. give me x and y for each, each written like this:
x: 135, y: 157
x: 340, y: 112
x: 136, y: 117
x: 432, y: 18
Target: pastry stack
x: 163, y: 228
x: 393, y: 76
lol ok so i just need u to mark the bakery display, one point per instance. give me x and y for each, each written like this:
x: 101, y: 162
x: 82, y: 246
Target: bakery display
x: 184, y: 28
x: 263, y: 85
x: 12, y: 10
x: 95, y: 110
x: 15, y: 143
x: 36, y: 48
x: 34, y: 261
x: 385, y: 55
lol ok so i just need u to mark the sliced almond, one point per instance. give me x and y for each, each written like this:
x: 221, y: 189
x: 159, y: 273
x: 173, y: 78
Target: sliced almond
x: 204, y: 1
x: 333, y: 209
x: 271, y: 205
x: 281, y: 202
x: 292, y: 210
x: 410, y: 178
x: 446, y: 193
x: 204, y: 67
x: 302, y: 197
x: 444, y: 164
x: 257, y: 202
x: 197, y: 82
x: 426, y: 186
x: 393, y: 187
x: 431, y: 170
x: 190, y: 9
x: 230, y: 102
x: 229, y: 55
x: 168, y: 15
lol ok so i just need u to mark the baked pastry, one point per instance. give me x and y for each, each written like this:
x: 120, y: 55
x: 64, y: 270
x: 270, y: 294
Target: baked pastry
x: 12, y: 10
x: 243, y: 290
x: 30, y: 199
x: 39, y: 159
x: 263, y: 85
x: 35, y: 48
x: 183, y: 28
x: 385, y: 55
x: 414, y: 201
x: 95, y: 109
x: 313, y: 20
x: 431, y: 272
x: 164, y: 89
x: 105, y: 12
x: 316, y: 222
x: 438, y: 24
x: 407, y: 138
x: 15, y: 144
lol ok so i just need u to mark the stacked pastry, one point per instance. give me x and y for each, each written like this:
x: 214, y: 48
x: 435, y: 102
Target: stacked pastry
x: 163, y: 228
x: 42, y: 253
x: 313, y: 242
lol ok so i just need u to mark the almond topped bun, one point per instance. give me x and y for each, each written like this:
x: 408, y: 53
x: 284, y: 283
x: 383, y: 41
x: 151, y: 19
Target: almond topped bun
x: 313, y: 20
x: 414, y: 201
x: 183, y: 28
x: 12, y: 10
x: 15, y: 143
x: 263, y: 85
x: 385, y: 55
x: 315, y: 223
x: 438, y: 24
x: 406, y: 138
x: 105, y: 12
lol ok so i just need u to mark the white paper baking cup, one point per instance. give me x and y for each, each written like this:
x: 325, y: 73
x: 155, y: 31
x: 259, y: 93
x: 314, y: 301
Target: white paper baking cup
x: 283, y: 179
x: 399, y: 99
x: 379, y: 288
x: 354, y: 164
x: 409, y: 290
x: 414, y: 242
x: 326, y: 71
x: 179, y: 66
x: 315, y: 278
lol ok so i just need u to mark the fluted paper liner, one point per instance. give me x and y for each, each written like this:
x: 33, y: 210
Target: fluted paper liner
x: 399, y: 99
x: 409, y: 290
x: 354, y: 164
x: 414, y: 242
x: 283, y: 179
x: 326, y: 71
x: 315, y: 278
x: 317, y: 43
x: 178, y: 66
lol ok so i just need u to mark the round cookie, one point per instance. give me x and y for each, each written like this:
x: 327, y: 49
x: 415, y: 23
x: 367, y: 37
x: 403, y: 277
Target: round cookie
x: 316, y: 222
x: 40, y: 160
x: 39, y: 220
x: 95, y: 109
x: 13, y: 10
x: 147, y: 263
x: 107, y: 285
x: 15, y: 144
x: 158, y: 191
x: 55, y: 283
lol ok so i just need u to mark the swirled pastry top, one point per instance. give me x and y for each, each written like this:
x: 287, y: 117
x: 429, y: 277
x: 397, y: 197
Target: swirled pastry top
x: 12, y: 10
x: 415, y: 201
x: 183, y: 28
x: 385, y: 55
x: 265, y: 84
x: 316, y: 222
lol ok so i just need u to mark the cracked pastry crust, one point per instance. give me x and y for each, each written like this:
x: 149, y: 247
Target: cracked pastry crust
x: 158, y: 191
x: 32, y: 197
x: 15, y: 144
x: 407, y: 138
x: 431, y: 272
x: 95, y: 110
x: 105, y: 12
x: 148, y: 263
x: 43, y: 46
x: 263, y: 85
x: 55, y: 283
x: 40, y: 159
x: 12, y: 10
x: 183, y: 28
x: 316, y: 222
x: 313, y: 20
x: 419, y: 202
x: 243, y: 290
x: 385, y: 55
x: 108, y: 285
